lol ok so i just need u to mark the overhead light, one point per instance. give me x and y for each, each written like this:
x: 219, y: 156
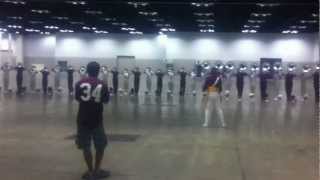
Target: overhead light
x: 198, y: 4
x: 66, y: 31
x: 60, y: 17
x: 76, y: 22
x: 298, y: 27
x: 76, y: 2
x: 207, y: 30
x: 138, y: 4
x: 145, y: 13
x: 109, y: 19
x: 167, y: 29
x: 15, y: 17
x: 267, y: 4
x: 261, y: 14
x: 17, y: 32
x: 101, y: 32
x: 40, y: 11
x: 156, y: 20
x: 3, y: 30
x: 51, y: 27
x: 294, y: 32
x: 16, y: 2
x: 119, y: 24
x: 256, y: 21
x: 128, y: 29
x: 290, y: 32
x: 136, y: 32
x: 205, y: 20
x: 204, y: 14
x: 45, y: 33
x: 89, y: 28
x: 251, y: 26
x: 308, y: 21
x: 15, y: 26
x: 206, y: 25
x: 249, y: 31
x: 163, y: 25
x: 35, y: 22
x: 32, y: 30
x: 93, y: 12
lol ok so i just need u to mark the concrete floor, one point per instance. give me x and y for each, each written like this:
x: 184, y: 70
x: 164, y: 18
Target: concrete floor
x: 273, y: 141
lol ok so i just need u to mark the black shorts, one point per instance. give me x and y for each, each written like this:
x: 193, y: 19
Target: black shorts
x: 85, y: 136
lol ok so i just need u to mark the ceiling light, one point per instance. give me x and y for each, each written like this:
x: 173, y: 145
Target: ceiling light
x: 267, y: 4
x: 45, y: 33
x: 290, y: 32
x: 206, y: 25
x: 35, y: 22
x: 15, y: 17
x: 93, y: 12
x: 15, y: 26
x: 168, y: 29
x: 136, y: 32
x: 204, y: 14
x: 3, y: 30
x: 261, y: 14
x: 101, y: 32
x: 308, y: 21
x: 128, y: 29
x: 256, y: 21
x: 249, y: 31
x: 76, y: 2
x: 32, y: 30
x: 76, y: 23
x: 119, y: 24
x: 145, y: 13
x: 294, y: 32
x: 51, y: 27
x: 156, y: 20
x: 40, y: 11
x: 196, y: 4
x: 89, y: 28
x: 60, y: 17
x: 207, y: 30
x: 16, y: 2
x: 137, y: 4
x: 17, y: 32
x: 298, y: 27
x: 66, y: 31
x: 163, y: 25
x: 109, y: 19
x: 205, y: 20
x: 251, y: 26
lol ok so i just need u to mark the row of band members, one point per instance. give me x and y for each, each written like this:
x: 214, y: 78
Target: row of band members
x: 227, y: 71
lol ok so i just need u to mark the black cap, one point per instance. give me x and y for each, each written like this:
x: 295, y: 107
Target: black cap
x: 93, y: 69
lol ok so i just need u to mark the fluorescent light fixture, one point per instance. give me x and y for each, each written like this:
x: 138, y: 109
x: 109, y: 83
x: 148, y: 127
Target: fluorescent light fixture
x: 101, y: 32
x: 251, y: 26
x: 290, y: 32
x: 45, y: 33
x: 249, y: 31
x: 198, y: 4
x: 32, y: 30
x: 145, y: 13
x: 15, y: 17
x: 16, y: 2
x: 156, y: 20
x: 51, y: 27
x: 109, y: 19
x: 40, y: 11
x: 93, y: 12
x: 204, y: 14
x: 3, y: 30
x: 119, y: 24
x: 163, y: 25
x: 77, y: 2
x: 137, y: 4
x: 207, y: 30
x: 136, y: 32
x: 76, y: 23
x: 15, y: 26
x: 60, y: 17
x: 206, y: 25
x: 167, y: 29
x: 256, y: 21
x: 261, y: 14
x: 35, y: 22
x: 66, y: 31
x: 205, y: 20
x: 267, y: 4
x: 308, y: 21
x: 128, y: 29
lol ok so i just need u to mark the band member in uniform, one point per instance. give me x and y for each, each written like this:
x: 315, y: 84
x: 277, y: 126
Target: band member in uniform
x: 70, y: 72
x: 228, y: 73
x: 126, y: 77
x: 83, y: 72
x: 277, y: 69
x: 193, y: 83
x: 170, y: 81
x: 45, y: 74
x: 105, y: 74
x: 91, y: 93
x: 183, y: 77
x: 115, y: 80
x: 211, y: 86
x: 148, y: 71
x: 159, y: 75
x: 19, y: 68
x: 253, y: 76
x: 6, y: 76
x: 136, y: 76
x: 316, y: 83
x: 289, y: 82
x: 305, y: 76
x: 33, y: 78
x: 264, y: 75
x: 242, y: 72
x: 57, y: 74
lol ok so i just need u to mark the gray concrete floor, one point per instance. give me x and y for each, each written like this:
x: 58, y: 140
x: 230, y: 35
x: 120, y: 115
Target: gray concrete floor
x: 273, y: 141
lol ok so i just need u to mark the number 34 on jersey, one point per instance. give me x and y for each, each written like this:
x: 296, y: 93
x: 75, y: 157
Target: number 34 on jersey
x: 88, y: 93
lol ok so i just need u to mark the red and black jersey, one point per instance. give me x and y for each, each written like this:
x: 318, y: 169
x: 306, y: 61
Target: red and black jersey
x: 91, y: 93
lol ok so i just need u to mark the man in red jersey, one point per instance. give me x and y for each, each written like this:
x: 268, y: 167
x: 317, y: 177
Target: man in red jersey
x: 91, y: 93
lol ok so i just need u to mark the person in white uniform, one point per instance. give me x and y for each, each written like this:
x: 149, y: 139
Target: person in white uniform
x: 211, y: 86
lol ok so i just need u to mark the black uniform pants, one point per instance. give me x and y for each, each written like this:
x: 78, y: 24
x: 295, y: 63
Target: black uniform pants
x: 115, y: 85
x: 263, y: 89
x: 136, y: 86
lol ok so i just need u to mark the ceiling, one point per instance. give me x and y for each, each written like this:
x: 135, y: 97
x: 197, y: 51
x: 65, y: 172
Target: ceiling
x: 163, y: 16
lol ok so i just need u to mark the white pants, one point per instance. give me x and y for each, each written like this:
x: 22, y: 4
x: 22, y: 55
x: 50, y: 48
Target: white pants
x: 213, y: 104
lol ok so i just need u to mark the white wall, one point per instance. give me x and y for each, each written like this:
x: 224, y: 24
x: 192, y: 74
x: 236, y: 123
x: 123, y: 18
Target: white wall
x: 180, y: 46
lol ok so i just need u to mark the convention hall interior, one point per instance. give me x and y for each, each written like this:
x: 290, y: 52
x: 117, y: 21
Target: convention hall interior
x: 177, y: 89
